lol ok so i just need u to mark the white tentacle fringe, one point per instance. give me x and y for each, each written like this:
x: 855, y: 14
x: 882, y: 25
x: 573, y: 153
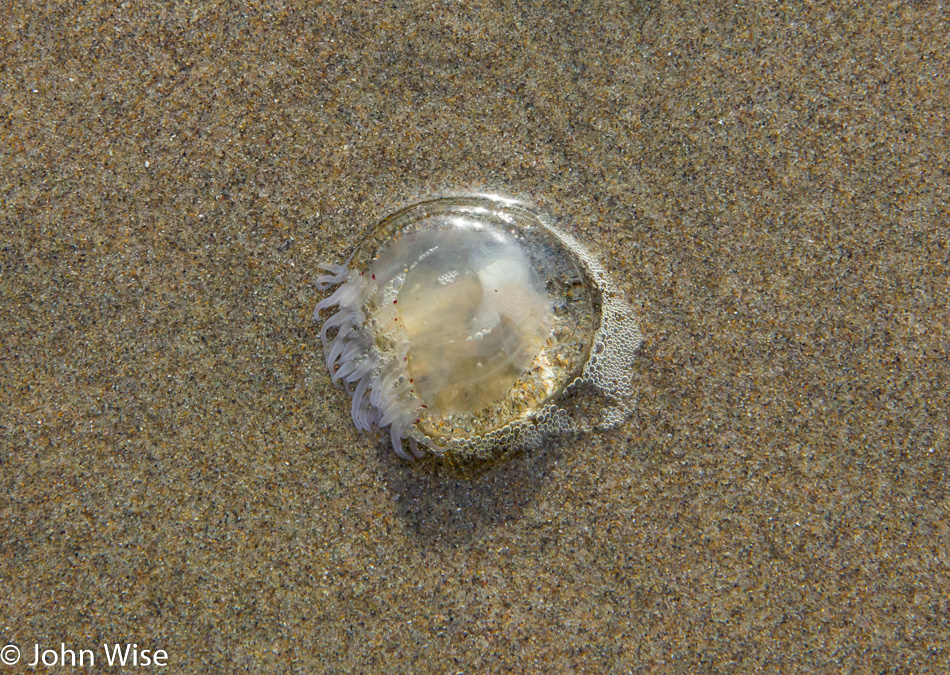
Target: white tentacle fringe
x: 382, y: 395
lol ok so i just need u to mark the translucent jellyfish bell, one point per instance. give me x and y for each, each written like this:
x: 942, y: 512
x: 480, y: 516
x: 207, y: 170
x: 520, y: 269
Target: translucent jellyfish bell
x: 470, y: 326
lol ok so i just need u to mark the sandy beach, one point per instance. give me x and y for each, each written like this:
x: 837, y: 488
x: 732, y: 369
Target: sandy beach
x: 767, y: 185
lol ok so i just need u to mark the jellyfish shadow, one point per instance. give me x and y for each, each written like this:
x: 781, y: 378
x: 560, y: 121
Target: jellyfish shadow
x: 449, y: 505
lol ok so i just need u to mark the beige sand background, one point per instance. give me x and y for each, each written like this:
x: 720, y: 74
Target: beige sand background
x: 769, y: 185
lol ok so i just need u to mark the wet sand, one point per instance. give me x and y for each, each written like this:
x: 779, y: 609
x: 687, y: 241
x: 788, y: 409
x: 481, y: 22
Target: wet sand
x: 768, y: 186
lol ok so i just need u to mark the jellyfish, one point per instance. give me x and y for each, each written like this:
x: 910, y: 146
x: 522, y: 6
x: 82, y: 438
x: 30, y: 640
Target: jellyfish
x: 472, y: 326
